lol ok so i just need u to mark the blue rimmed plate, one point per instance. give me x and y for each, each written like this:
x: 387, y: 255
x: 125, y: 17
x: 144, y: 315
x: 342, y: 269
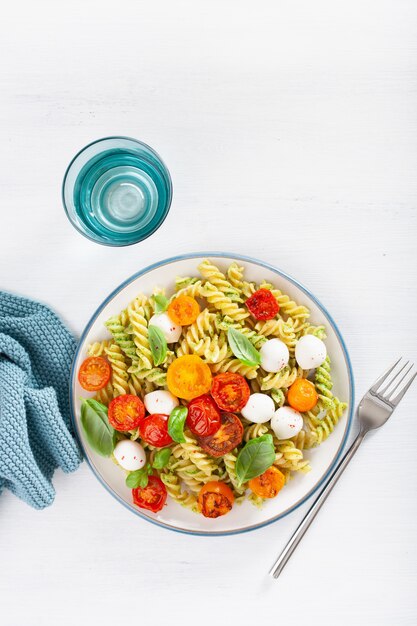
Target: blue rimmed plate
x: 243, y: 517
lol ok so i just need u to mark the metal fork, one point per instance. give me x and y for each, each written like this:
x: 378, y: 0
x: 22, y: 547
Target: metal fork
x: 376, y: 406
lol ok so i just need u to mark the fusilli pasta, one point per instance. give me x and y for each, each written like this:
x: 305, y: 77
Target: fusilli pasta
x: 220, y: 295
x: 119, y: 368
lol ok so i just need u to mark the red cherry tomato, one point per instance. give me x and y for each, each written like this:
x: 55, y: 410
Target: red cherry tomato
x: 224, y: 440
x: 154, y: 430
x: 263, y: 305
x: 203, y: 416
x: 230, y: 391
x: 94, y: 373
x: 152, y: 497
x: 126, y: 412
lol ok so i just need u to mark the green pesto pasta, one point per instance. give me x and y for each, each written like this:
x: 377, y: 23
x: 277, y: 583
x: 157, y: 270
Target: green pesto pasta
x: 120, y: 335
x: 219, y: 298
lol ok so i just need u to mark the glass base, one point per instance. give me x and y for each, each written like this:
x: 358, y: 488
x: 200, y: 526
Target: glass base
x: 124, y: 199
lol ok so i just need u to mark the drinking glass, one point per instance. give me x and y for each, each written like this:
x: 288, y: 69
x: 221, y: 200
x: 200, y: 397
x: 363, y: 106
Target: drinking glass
x: 117, y: 191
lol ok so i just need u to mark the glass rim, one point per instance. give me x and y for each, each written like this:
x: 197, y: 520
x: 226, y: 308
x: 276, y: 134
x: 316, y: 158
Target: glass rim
x: 159, y: 223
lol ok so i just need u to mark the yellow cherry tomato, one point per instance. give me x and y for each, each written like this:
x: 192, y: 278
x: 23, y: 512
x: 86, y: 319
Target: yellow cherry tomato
x: 302, y: 395
x: 184, y: 310
x: 268, y: 484
x: 215, y: 499
x: 188, y: 377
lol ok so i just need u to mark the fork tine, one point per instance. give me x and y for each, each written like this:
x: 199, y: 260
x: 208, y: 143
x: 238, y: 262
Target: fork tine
x: 389, y: 391
x: 398, y: 394
x: 384, y: 376
x: 389, y: 383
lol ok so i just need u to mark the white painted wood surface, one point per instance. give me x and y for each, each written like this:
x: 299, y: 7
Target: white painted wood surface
x: 290, y: 132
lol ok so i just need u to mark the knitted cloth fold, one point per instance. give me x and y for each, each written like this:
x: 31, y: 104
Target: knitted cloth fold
x: 36, y: 437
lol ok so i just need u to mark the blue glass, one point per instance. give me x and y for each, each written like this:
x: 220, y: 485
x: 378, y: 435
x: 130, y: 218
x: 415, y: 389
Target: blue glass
x: 117, y: 191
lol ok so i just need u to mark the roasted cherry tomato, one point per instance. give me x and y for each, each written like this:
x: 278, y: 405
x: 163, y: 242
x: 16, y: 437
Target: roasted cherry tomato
x: 183, y: 310
x: 230, y: 391
x: 225, y: 439
x: 154, y: 430
x: 215, y: 499
x: 263, y: 305
x: 94, y: 373
x: 268, y: 484
x: 302, y: 395
x: 151, y: 497
x: 188, y: 377
x: 203, y: 416
x: 126, y: 412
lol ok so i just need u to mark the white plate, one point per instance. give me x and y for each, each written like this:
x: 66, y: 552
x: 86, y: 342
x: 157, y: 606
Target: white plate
x: 246, y: 516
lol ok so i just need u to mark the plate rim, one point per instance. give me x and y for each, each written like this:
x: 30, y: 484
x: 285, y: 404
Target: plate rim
x: 236, y: 257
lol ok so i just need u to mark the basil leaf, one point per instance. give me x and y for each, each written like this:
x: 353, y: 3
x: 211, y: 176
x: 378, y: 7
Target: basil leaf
x: 255, y: 458
x: 161, y: 303
x: 242, y: 348
x: 138, y: 478
x: 176, y: 423
x: 99, y: 434
x: 157, y: 344
x: 161, y: 458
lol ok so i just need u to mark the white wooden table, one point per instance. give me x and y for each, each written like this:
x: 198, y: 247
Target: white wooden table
x: 290, y: 132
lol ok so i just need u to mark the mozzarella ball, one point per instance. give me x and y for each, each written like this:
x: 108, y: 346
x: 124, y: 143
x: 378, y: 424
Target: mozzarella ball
x: 259, y: 408
x: 286, y: 422
x: 171, y: 330
x: 310, y: 352
x: 130, y: 455
x: 274, y: 355
x: 160, y: 402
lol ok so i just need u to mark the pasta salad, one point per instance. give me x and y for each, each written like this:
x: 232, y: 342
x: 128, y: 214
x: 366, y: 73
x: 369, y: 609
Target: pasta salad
x: 209, y: 394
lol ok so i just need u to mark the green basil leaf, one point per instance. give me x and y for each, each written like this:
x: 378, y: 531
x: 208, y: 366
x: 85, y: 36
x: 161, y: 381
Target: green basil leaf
x: 99, y: 434
x: 255, y: 458
x: 176, y: 423
x: 161, y: 458
x: 138, y: 478
x: 242, y: 348
x: 157, y: 344
x: 161, y: 303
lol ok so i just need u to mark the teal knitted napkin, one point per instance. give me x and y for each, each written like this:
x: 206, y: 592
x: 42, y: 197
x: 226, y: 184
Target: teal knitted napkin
x: 36, y: 352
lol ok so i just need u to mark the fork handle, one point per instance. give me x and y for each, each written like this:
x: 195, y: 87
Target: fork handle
x: 285, y: 555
